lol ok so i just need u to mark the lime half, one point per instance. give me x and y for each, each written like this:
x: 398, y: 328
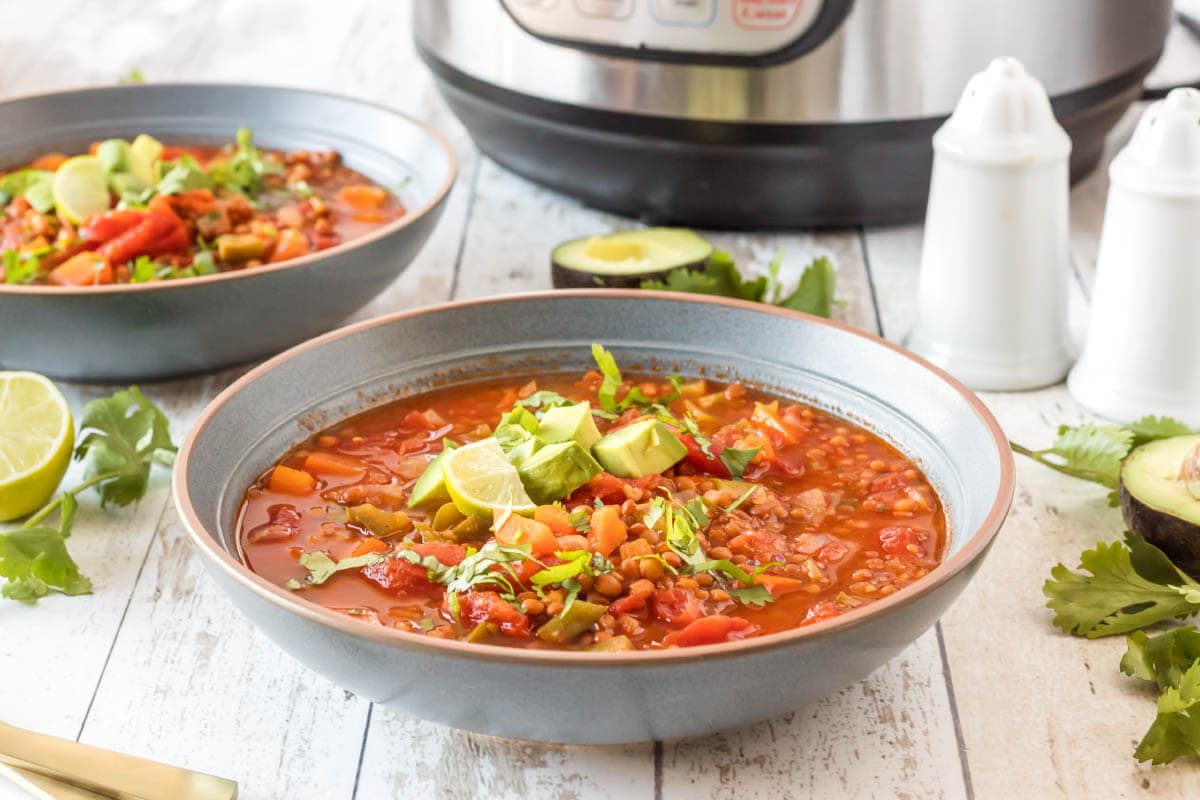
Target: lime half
x: 481, y: 481
x: 36, y: 438
x: 81, y: 188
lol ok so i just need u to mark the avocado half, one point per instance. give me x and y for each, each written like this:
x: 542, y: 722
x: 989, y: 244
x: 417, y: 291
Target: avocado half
x: 1160, y: 502
x: 624, y: 259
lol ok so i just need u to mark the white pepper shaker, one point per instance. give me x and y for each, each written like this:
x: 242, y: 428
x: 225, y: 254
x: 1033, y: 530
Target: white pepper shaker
x: 1142, y: 351
x: 995, y: 266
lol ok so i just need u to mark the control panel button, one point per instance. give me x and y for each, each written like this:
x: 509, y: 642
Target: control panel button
x: 766, y: 15
x: 694, y: 13
x: 605, y: 9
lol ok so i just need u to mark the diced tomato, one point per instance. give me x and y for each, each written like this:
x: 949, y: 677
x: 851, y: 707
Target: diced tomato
x: 363, y: 197
x: 822, y: 611
x: 901, y: 541
x: 696, y: 457
x: 401, y: 577
x: 675, y: 606
x: 889, y: 482
x: 760, y: 546
x: 832, y: 552
x: 627, y: 604
x: 479, y: 607
x: 448, y: 553
x: 711, y: 630
x: 605, y: 487
x: 404, y: 577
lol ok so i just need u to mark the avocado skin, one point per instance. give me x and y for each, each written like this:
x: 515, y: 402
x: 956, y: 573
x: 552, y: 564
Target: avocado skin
x: 1178, y: 538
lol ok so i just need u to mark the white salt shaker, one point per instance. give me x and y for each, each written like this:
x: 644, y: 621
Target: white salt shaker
x: 1142, y: 352
x: 995, y: 265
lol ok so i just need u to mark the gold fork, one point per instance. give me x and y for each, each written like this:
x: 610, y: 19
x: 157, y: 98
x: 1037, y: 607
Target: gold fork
x: 57, y: 769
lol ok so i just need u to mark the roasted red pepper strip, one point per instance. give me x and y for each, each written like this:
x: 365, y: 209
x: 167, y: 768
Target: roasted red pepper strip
x: 696, y: 457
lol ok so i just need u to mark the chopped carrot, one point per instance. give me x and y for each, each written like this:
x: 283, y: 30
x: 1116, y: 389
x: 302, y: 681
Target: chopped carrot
x: 82, y: 269
x: 323, y: 463
x: 290, y: 244
x: 369, y: 217
x: 555, y: 518
x: 363, y: 197
x: 286, y: 480
x: 50, y: 161
x: 608, y: 531
x: 370, y: 544
x: 778, y: 585
x: 522, y: 530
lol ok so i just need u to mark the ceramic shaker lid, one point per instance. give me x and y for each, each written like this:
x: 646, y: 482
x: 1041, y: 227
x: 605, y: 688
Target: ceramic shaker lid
x: 1163, y: 157
x: 1003, y: 116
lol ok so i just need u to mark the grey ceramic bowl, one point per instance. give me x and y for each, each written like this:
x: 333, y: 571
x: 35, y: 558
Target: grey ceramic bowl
x: 158, y: 330
x: 575, y: 697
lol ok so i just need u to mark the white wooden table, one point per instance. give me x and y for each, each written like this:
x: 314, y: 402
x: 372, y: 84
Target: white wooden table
x: 991, y: 703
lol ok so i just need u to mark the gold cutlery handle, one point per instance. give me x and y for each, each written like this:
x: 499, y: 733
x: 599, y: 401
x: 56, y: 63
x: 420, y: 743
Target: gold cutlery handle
x: 106, y: 773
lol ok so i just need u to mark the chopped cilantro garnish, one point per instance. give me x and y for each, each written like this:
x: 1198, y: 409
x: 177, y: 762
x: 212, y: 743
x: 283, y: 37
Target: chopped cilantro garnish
x: 745, y: 496
x: 20, y: 268
x: 736, y: 460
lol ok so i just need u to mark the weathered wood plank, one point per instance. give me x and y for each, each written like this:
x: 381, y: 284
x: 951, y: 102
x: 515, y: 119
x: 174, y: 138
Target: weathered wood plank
x: 65, y: 641
x: 1059, y: 709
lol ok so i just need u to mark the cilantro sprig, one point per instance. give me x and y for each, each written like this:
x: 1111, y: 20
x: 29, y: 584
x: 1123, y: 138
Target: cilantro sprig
x: 814, y: 294
x: 1094, y: 452
x: 122, y: 437
x: 1131, y: 585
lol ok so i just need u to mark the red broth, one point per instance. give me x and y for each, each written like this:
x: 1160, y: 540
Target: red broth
x: 305, y: 202
x: 839, y: 520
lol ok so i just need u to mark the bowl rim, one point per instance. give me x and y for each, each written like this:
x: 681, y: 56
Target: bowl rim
x: 220, y: 558
x: 438, y: 196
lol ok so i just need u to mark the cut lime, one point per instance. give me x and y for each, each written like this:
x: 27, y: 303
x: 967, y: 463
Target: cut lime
x: 481, y: 481
x: 81, y: 188
x: 36, y: 438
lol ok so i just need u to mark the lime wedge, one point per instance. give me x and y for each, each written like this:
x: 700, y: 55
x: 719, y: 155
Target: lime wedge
x: 81, y: 188
x: 36, y: 438
x: 480, y: 480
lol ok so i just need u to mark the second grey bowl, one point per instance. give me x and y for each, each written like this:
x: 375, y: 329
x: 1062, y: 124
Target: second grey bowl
x: 172, y: 328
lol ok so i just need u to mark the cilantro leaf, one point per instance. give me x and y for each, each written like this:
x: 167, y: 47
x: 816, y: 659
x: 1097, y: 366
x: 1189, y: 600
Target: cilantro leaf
x: 756, y: 595
x: 1150, y: 428
x: 35, y: 561
x: 184, y: 175
x: 1088, y: 452
x: 1176, y: 730
x: 607, y: 394
x: 736, y: 460
x: 1162, y: 658
x: 1131, y: 586
x: 244, y: 172
x: 814, y: 293
x: 720, y: 276
x: 123, y: 435
x: 542, y: 401
x: 580, y: 519
x: 321, y: 567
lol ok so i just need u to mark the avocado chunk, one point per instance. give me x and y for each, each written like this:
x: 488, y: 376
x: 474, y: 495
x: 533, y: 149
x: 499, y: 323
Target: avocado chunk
x: 556, y: 470
x: 643, y: 448
x: 571, y: 423
x: 1157, y: 500
x: 430, y: 488
x: 573, y: 621
x: 113, y: 155
x: 626, y: 258
x: 518, y: 454
x: 143, y: 157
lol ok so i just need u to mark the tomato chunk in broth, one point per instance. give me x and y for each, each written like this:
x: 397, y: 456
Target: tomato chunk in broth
x: 824, y: 517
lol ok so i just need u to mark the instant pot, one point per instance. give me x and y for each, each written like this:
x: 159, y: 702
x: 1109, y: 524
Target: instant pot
x: 765, y: 113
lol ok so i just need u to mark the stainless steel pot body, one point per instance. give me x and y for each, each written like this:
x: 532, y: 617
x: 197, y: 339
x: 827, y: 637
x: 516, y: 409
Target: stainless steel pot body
x: 825, y: 119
